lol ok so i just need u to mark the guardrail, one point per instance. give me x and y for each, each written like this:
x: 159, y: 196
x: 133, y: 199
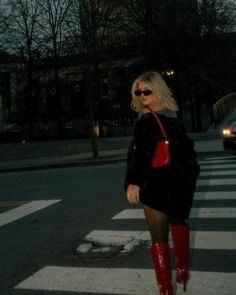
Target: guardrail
x: 223, y: 107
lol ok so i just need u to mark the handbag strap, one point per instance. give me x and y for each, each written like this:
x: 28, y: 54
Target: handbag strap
x: 158, y: 122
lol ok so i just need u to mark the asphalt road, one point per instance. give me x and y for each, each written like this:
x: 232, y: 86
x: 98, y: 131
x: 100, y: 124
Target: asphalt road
x: 84, y: 201
x: 89, y: 197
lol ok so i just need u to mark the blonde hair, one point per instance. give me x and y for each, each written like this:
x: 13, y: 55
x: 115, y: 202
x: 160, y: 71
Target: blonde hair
x: 156, y: 84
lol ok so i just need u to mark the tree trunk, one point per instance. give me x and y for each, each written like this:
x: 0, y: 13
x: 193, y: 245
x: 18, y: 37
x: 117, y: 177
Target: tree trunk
x: 90, y: 94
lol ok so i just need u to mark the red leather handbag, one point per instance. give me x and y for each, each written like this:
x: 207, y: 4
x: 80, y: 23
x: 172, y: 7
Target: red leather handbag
x: 162, y: 156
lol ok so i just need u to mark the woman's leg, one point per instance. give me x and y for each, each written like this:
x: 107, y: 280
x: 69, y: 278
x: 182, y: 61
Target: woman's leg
x: 158, y: 226
x: 180, y: 235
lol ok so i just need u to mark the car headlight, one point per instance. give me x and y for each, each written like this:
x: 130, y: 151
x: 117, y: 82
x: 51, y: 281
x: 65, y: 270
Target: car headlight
x: 227, y: 132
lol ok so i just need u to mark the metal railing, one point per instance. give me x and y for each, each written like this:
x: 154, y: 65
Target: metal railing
x: 223, y: 107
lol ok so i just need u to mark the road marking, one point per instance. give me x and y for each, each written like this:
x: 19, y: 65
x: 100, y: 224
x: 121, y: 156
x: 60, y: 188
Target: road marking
x: 142, y: 281
x: 220, y: 212
x: 222, y: 158
x: 217, y: 161
x: 218, y: 173
x: 233, y: 166
x: 210, y: 182
x: 121, y: 281
x: 24, y: 210
x: 198, y: 239
x: 215, y: 195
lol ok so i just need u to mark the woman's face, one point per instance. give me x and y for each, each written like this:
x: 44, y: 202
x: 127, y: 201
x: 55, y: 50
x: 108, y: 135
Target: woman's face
x: 147, y: 97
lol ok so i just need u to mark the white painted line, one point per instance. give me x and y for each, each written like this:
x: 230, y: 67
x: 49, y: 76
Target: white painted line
x: 130, y: 214
x: 25, y: 210
x: 221, y: 158
x: 198, y: 239
x: 122, y: 281
x: 215, y: 195
x: 213, y: 240
x: 210, y: 182
x: 231, y: 161
x: 220, y: 212
x: 219, y: 173
x: 230, y: 166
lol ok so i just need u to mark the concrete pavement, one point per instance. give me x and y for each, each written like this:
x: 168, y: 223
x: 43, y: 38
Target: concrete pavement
x: 78, y: 152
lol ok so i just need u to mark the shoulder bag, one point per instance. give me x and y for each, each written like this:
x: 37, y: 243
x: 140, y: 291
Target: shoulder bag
x: 162, y: 156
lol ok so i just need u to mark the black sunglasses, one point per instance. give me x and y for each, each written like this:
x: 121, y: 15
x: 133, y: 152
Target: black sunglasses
x: 144, y: 92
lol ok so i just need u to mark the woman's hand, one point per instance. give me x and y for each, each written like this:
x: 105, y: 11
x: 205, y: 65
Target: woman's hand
x: 133, y: 192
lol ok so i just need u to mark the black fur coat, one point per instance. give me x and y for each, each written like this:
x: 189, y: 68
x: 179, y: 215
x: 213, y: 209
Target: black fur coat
x: 169, y: 189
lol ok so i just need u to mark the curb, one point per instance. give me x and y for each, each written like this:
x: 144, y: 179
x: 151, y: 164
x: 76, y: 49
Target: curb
x: 80, y: 163
x: 86, y: 159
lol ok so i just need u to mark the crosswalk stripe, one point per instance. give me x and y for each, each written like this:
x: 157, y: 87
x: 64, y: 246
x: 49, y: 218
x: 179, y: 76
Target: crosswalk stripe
x: 219, y: 173
x: 215, y: 195
x: 223, y: 166
x: 198, y: 239
x: 195, y: 213
x: 211, y: 182
x: 121, y: 281
x: 221, y: 158
x: 216, y: 161
x: 128, y: 281
x: 24, y: 210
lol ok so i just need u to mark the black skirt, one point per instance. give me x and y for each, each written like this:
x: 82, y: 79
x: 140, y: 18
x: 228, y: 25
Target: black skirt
x: 168, y: 190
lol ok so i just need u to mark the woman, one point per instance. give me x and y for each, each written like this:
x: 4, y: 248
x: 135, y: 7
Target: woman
x: 166, y: 193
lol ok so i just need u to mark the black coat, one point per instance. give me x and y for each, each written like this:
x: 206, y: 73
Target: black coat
x: 169, y: 189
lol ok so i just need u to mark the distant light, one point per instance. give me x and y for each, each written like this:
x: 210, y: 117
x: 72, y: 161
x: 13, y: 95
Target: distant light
x: 169, y: 73
x: 227, y: 132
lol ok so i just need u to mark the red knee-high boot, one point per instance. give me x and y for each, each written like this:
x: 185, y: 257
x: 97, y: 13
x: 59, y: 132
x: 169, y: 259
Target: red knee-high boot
x: 180, y: 236
x: 161, y: 261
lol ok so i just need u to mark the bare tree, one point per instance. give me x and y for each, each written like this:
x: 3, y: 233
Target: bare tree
x: 4, y: 21
x: 177, y: 33
x: 21, y: 37
x: 142, y: 22
x: 92, y: 24
x: 162, y: 28
x: 54, y: 14
x: 23, y: 28
x: 217, y: 16
x: 52, y: 23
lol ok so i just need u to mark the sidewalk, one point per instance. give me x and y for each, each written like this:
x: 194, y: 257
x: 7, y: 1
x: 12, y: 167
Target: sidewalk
x: 66, y: 153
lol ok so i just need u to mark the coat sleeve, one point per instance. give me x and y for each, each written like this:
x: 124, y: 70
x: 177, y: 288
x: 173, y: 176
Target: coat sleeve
x: 183, y: 151
x: 141, y: 150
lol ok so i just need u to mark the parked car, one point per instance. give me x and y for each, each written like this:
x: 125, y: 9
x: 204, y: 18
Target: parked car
x: 12, y: 133
x: 229, y: 137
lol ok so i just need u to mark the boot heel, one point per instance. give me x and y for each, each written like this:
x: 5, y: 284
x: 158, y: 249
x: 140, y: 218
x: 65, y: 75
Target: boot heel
x: 180, y: 235
x: 185, y: 287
